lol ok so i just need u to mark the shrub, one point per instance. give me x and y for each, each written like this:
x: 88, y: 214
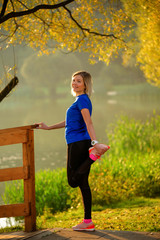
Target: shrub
x: 51, y: 191
x: 130, y: 135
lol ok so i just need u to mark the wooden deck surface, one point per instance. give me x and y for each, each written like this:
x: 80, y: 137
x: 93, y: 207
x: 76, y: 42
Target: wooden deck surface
x: 69, y: 234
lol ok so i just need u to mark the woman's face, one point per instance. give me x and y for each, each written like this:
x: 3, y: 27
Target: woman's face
x: 78, y: 85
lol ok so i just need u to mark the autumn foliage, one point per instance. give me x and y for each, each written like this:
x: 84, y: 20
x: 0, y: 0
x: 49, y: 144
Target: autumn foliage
x: 105, y: 29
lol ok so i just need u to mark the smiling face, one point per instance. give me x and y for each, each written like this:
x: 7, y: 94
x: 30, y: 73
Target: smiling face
x: 78, y: 85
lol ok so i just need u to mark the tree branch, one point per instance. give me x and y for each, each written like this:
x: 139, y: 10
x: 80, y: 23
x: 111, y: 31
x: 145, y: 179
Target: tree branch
x: 73, y: 50
x: 33, y: 10
x: 34, y: 14
x: 8, y: 88
x: 3, y: 8
x: 87, y: 29
x: 9, y: 36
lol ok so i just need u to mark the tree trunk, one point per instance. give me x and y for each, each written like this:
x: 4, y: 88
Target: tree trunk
x: 8, y: 88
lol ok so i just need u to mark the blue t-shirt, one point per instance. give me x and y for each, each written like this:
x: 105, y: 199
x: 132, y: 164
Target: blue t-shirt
x: 76, y: 129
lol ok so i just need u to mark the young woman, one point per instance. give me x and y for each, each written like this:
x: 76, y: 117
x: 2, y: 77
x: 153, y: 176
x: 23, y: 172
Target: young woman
x: 83, y: 147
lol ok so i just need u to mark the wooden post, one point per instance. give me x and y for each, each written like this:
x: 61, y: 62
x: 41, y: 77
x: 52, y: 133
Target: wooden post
x: 24, y: 135
x: 29, y: 184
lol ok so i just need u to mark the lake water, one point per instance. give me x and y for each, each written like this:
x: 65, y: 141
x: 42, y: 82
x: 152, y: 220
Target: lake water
x: 7, y: 222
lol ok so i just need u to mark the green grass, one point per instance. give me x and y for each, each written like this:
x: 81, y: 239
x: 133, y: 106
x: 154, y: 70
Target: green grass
x: 139, y: 214
x: 12, y: 229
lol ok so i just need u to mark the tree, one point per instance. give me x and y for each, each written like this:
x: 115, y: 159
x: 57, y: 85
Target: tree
x: 48, y: 72
x: 145, y: 15
x: 102, y: 28
x: 66, y: 25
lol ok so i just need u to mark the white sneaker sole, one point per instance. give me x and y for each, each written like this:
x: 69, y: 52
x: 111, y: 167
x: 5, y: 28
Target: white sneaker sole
x: 90, y: 230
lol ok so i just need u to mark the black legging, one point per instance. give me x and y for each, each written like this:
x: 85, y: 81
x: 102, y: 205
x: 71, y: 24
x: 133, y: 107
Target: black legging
x: 78, y: 168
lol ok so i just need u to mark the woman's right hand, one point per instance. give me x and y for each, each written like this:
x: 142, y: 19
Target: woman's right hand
x: 101, y: 148
x: 42, y: 126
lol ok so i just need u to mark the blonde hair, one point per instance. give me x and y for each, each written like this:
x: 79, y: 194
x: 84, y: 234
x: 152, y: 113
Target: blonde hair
x: 87, y: 82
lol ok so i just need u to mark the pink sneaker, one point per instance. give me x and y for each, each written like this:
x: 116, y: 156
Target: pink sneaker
x: 93, y: 155
x: 84, y: 227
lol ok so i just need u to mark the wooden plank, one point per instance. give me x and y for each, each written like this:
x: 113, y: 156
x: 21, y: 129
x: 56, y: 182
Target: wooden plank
x: 14, y: 210
x: 18, y: 128
x: 9, y: 174
x: 29, y: 184
x: 24, y: 235
x: 13, y: 137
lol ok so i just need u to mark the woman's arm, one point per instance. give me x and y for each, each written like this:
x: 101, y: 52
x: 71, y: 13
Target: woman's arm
x: 55, y: 126
x: 101, y: 148
x: 88, y: 122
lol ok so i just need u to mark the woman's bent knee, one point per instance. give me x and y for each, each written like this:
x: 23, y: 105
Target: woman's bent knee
x: 72, y: 183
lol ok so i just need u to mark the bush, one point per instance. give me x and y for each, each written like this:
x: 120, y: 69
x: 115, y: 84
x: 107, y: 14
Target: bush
x: 119, y: 179
x: 133, y: 136
x: 51, y: 191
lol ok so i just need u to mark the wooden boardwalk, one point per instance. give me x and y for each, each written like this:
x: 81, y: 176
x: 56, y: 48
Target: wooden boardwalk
x: 65, y: 234
x: 22, y: 235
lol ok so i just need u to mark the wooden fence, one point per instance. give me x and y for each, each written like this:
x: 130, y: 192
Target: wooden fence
x: 24, y: 135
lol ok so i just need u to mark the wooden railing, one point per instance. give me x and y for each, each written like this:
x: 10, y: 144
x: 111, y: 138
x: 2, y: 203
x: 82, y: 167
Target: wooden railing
x: 24, y: 135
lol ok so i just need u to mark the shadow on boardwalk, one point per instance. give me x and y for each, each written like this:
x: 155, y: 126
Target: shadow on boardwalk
x: 64, y: 234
